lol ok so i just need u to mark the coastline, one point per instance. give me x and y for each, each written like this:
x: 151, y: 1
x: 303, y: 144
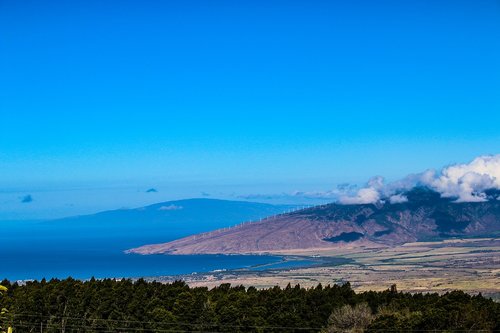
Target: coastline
x: 414, y: 267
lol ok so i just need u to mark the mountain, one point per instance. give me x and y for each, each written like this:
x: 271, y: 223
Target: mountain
x: 167, y: 219
x: 425, y: 216
x: 114, y: 231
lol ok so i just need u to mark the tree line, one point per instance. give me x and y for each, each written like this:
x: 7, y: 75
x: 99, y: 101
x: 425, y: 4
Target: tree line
x: 111, y: 305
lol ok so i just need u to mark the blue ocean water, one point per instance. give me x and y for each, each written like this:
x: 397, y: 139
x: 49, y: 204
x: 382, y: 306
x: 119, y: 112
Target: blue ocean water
x: 33, y: 252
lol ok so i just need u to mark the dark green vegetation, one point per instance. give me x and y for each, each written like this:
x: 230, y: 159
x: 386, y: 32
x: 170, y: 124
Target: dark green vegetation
x: 125, y: 306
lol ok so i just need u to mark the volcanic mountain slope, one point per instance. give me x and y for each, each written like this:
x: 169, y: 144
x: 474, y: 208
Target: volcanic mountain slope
x: 425, y: 216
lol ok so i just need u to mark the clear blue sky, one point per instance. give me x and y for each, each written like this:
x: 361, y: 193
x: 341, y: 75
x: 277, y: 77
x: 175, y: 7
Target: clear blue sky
x: 243, y: 92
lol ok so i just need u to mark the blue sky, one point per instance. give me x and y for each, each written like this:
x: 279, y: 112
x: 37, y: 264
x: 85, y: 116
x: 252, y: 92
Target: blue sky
x: 238, y: 97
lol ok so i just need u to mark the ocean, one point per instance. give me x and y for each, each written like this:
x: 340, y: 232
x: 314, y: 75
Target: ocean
x: 33, y: 251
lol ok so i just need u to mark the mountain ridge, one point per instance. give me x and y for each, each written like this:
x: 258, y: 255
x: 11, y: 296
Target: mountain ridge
x: 171, y: 219
x: 425, y: 216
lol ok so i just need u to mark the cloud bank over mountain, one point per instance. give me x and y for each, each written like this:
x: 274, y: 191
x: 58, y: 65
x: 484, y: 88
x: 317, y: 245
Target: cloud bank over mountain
x: 464, y: 182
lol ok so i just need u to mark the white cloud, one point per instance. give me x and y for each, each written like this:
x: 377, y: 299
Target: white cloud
x: 363, y: 196
x: 466, y: 182
x: 397, y: 198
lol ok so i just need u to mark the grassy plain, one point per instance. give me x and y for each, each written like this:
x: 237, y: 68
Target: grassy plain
x: 471, y: 265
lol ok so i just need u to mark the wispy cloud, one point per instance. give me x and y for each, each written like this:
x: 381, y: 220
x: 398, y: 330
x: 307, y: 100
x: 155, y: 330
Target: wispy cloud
x: 326, y: 195
x: 170, y: 207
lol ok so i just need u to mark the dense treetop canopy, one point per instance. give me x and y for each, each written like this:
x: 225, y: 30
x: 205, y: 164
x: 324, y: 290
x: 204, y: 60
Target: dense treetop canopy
x: 128, y: 306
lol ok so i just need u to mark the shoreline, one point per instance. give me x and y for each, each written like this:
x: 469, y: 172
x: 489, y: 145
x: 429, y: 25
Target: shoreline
x: 472, y: 265
x: 414, y: 267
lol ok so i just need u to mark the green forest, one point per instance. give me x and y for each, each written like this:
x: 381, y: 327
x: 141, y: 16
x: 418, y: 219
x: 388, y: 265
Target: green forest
x: 139, y: 306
